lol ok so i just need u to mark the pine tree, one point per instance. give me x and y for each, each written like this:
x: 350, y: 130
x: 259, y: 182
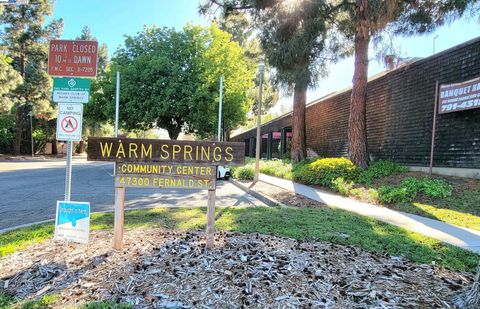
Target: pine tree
x: 25, y: 39
x: 293, y: 35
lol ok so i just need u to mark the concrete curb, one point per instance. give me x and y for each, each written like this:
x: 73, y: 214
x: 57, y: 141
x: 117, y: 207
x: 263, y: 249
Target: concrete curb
x: 8, y: 229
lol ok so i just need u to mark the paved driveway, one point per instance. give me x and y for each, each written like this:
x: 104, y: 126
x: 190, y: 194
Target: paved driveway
x: 29, y: 191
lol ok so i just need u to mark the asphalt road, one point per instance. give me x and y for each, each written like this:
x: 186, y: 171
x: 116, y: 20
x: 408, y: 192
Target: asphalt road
x: 29, y: 191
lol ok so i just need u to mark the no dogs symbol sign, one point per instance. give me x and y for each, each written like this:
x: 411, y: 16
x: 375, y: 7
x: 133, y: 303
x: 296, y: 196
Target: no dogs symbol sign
x: 69, y: 122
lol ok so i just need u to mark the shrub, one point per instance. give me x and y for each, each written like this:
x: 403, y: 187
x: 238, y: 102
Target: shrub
x: 277, y: 168
x: 342, y: 186
x: 366, y: 195
x: 410, y: 187
x: 394, y: 194
x: 435, y: 188
x: 325, y: 171
x: 246, y: 172
x: 380, y: 169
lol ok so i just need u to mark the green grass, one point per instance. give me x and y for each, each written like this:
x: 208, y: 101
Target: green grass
x: 325, y: 224
x: 275, y: 167
x: 105, y: 305
x: 41, y: 303
x: 47, y: 301
x: 461, y: 209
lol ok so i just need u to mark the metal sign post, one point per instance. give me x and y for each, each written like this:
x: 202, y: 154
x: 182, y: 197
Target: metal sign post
x: 70, y: 59
x: 433, y: 129
x: 68, y: 172
x: 69, y: 129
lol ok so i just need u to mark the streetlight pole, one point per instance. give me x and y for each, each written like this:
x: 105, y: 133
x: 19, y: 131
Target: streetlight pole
x: 31, y: 132
x: 219, y: 137
x: 433, y: 48
x: 259, y: 120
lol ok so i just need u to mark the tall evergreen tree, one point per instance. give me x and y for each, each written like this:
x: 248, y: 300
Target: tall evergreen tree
x: 241, y: 29
x: 25, y: 38
x: 293, y: 35
x: 95, y: 112
x: 363, y: 19
x: 9, y: 80
x: 357, y: 21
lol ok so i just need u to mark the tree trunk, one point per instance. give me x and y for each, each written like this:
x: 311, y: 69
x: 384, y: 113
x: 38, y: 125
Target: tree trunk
x: 81, y: 147
x: 471, y: 298
x: 228, y: 132
x: 357, y: 126
x: 174, y: 132
x: 54, y: 147
x: 299, y: 147
x: 20, y: 110
x: 19, y: 129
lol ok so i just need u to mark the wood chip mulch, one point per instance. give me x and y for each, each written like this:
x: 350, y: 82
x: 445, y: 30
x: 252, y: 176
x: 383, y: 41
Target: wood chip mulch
x: 171, y: 269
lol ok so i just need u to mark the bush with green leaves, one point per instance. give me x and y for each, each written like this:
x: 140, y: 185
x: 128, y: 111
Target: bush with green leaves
x: 410, y: 187
x: 277, y: 168
x: 379, y: 169
x: 343, y: 187
x: 246, y: 172
x: 369, y: 195
x: 325, y: 171
x: 394, y: 194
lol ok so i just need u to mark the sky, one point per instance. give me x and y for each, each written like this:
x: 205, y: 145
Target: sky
x: 110, y: 20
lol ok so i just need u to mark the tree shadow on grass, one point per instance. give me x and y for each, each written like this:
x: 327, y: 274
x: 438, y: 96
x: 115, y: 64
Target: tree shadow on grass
x: 457, y: 210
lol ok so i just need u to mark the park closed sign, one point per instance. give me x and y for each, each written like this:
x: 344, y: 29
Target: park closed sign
x: 72, y: 58
x: 164, y: 164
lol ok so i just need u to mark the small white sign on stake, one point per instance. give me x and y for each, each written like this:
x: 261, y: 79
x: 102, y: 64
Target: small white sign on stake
x: 72, y: 222
x: 69, y: 122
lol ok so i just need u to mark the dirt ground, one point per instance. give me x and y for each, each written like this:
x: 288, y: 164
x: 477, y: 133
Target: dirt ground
x: 171, y: 269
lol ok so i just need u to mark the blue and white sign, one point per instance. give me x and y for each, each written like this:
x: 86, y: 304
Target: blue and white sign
x: 72, y: 222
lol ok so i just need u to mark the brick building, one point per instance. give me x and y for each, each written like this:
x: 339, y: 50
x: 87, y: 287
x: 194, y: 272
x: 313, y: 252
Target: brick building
x: 399, y: 118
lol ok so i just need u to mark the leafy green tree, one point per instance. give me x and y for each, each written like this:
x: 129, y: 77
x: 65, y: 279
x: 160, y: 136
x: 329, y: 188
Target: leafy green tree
x: 160, y: 71
x: 25, y: 38
x: 170, y: 80
x: 223, y: 57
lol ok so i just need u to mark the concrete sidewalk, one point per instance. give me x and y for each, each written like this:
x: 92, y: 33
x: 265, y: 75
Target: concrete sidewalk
x: 458, y: 236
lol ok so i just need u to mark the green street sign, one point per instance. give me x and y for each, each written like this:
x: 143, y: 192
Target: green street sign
x: 71, y: 90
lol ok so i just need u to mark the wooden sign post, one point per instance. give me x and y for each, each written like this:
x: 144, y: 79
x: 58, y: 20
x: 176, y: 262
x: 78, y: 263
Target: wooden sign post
x: 164, y: 164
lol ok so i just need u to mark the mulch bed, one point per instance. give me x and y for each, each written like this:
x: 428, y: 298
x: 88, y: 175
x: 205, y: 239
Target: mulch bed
x: 171, y: 269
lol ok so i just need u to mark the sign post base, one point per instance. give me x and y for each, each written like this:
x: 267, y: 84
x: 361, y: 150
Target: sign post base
x: 119, y: 218
x: 211, y: 219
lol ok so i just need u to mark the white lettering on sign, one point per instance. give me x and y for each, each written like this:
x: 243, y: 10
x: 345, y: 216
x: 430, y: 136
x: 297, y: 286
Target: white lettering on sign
x: 59, y: 48
x: 82, y: 59
x: 460, y: 96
